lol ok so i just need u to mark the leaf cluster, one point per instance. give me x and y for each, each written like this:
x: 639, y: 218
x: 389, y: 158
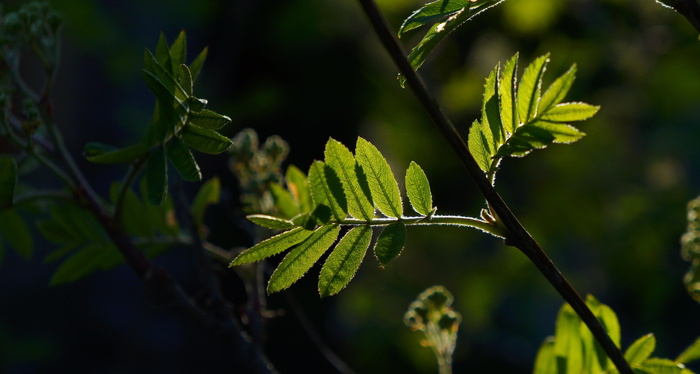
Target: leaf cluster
x: 357, y: 190
x: 180, y: 121
x: 573, y: 349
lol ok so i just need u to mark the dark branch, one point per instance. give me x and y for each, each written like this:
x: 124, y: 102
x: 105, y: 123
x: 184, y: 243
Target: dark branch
x: 517, y: 235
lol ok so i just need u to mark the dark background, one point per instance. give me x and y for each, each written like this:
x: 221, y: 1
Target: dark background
x: 609, y: 209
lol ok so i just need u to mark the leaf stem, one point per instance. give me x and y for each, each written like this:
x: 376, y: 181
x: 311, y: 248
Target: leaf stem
x: 516, y: 236
x: 435, y: 220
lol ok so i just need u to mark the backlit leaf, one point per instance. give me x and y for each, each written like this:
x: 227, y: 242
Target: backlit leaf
x: 272, y: 246
x: 641, y: 349
x: 157, y: 176
x: 691, y: 353
x: 284, y: 201
x: 390, y: 242
x: 301, y: 258
x: 342, y: 264
x: 342, y: 161
x: 208, y: 119
x: 567, y: 348
x: 429, y: 13
x: 299, y: 187
x: 270, y: 222
x: 662, y: 366
x: 491, y: 124
x: 507, y: 90
x: 8, y: 180
x: 530, y: 87
x: 558, y: 90
x: 418, y: 189
x: 326, y: 189
x: 545, y: 362
x: 382, y: 184
x: 181, y: 157
x: 570, y: 112
x: 478, y: 146
x: 203, y: 140
x: 88, y: 259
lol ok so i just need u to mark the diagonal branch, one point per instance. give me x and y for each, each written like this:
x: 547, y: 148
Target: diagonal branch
x: 517, y: 236
x: 690, y: 9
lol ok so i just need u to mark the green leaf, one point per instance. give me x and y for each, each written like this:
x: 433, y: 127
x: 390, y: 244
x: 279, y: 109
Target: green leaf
x: 418, y: 190
x: 181, y: 157
x: 491, y: 124
x: 104, y: 154
x: 184, y: 77
x: 641, y: 349
x: 662, y: 366
x: 507, y: 91
x: 163, y: 52
x: 208, y: 119
x: 203, y: 140
x: 299, y: 187
x: 270, y: 222
x: 164, y: 77
x: 208, y: 194
x: 530, y: 88
x: 342, y: 161
x: 690, y: 354
x: 342, y: 264
x: 157, y: 176
x: 326, y: 189
x: 380, y: 178
x: 558, y: 90
x: 90, y: 258
x: 284, y: 201
x: 545, y: 362
x: 608, y: 319
x: 567, y: 349
x: 8, y: 180
x: 478, y: 146
x: 558, y: 132
x: 272, y: 246
x: 570, y: 112
x: 178, y: 50
x: 440, y: 30
x: 300, y: 259
x: 429, y: 13
x: 390, y: 242
x: 16, y: 233
x: 196, y: 65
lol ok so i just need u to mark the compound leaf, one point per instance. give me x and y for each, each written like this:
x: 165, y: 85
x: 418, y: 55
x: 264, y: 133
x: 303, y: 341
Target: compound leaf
x: 8, y: 180
x: 382, y: 184
x: 342, y: 161
x: 181, y: 157
x: 641, y: 349
x: 157, y: 176
x: 418, y: 189
x: 342, y: 264
x: 272, y: 246
x: 327, y: 190
x: 390, y: 242
x: 300, y: 259
x: 204, y: 140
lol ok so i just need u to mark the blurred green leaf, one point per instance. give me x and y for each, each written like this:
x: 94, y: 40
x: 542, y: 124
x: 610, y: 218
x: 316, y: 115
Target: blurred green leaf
x: 298, y: 185
x: 390, y: 242
x: 87, y: 260
x: 381, y: 180
x: 208, y: 194
x: 270, y: 222
x: 183, y: 160
x: 662, y: 366
x: 327, y: 190
x: 342, y: 161
x: 284, y: 201
x: 105, y: 154
x: 208, y: 119
x: 16, y: 233
x: 157, y: 176
x: 690, y: 354
x: 342, y: 264
x: 641, y: 349
x: 567, y: 348
x: 204, y: 140
x: 301, y: 258
x: 545, y: 362
x: 272, y: 246
x: 8, y: 180
x: 418, y: 189
x: 479, y: 146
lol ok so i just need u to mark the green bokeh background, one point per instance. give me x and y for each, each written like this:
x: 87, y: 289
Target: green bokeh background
x: 608, y: 210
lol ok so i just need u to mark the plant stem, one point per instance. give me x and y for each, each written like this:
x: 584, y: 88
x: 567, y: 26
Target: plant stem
x: 516, y: 236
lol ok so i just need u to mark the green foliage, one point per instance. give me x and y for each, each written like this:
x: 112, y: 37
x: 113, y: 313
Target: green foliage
x: 455, y: 13
x: 180, y: 121
x: 433, y: 315
x: 572, y: 349
x: 690, y: 249
x: 517, y: 118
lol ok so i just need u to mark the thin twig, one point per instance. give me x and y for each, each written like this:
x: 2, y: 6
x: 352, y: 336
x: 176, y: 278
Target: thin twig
x: 517, y: 235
